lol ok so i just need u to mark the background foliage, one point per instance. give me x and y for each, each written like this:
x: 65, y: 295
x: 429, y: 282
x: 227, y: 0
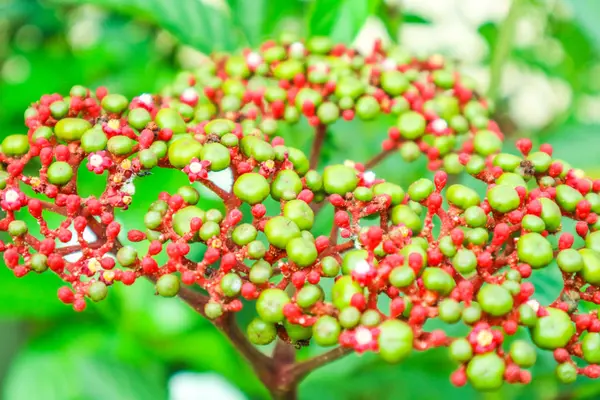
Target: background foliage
x: 538, y: 59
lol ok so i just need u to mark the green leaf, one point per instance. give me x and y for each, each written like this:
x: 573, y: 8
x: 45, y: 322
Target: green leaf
x: 251, y: 18
x: 340, y: 19
x: 77, y: 364
x: 192, y: 21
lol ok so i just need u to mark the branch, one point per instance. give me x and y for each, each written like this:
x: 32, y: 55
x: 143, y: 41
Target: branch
x: 502, y: 48
x: 377, y: 159
x: 315, y: 152
x: 228, y: 326
x: 300, y: 370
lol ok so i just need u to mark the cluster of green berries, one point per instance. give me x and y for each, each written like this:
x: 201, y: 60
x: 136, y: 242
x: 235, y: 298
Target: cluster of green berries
x: 433, y: 250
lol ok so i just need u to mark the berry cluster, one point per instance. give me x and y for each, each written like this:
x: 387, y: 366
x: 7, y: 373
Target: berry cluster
x: 394, y: 258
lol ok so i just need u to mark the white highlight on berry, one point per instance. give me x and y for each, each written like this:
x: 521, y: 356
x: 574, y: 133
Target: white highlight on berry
x: 147, y: 99
x: 363, y: 336
x: 128, y: 188
x: 189, y: 94
x: 96, y: 160
x: 534, y: 304
x: 195, y: 167
x: 297, y: 49
x: 369, y: 177
x: 389, y: 65
x: 11, y: 196
x: 362, y: 267
x: 439, y: 125
x: 253, y: 59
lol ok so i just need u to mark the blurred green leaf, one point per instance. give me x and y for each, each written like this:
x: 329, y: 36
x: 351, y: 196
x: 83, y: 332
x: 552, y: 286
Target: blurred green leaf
x: 250, y: 17
x: 55, y: 367
x: 193, y: 22
x: 339, y: 19
x: 587, y: 14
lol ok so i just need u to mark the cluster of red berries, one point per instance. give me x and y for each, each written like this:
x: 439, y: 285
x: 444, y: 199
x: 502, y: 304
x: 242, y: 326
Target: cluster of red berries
x: 395, y: 258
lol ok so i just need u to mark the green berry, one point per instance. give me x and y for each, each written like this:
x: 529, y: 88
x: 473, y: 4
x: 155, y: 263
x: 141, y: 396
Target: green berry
x: 553, y: 330
x: 533, y: 223
x: 566, y: 372
x: 590, y: 345
x: 569, y: 260
x: 39, y: 262
x: 170, y: 119
x: 15, y: 145
x: 421, y: 189
x: 591, y: 266
x: 438, y: 280
x: 541, y: 161
x: 213, y: 310
x: 462, y: 196
x: 209, y: 230
x: 97, y: 291
x: 523, y: 353
x: 217, y: 154
x: 475, y: 217
x: 343, y: 290
x: 120, y: 145
x: 139, y: 118
x: 126, y: 256
x: 326, y: 331
x: 244, y: 234
x: 114, y: 103
x: 534, y: 250
x: 231, y: 284
x: 251, y: 188
x: 487, y: 142
x: 367, y: 108
x: 93, y: 140
x: 449, y: 311
x: 17, y: 228
x: 339, y: 179
x: 527, y: 315
x: 395, y: 340
x: 395, y: 192
x: 486, y: 371
x: 394, y: 82
x: 402, y: 276
x: 403, y: 214
x: 309, y: 295
x: 464, y: 261
x: 167, y: 285
x: 261, y: 332
x: 280, y: 230
x: 256, y: 249
x: 60, y: 173
x: 260, y: 272
x: 471, y: 314
x: 69, y: 129
x: 460, y: 350
x: 183, y: 218
x: 349, y: 317
x: 411, y: 125
x: 270, y: 305
x: 330, y: 266
x: 297, y: 332
x: 286, y: 185
x: 299, y: 212
x: 328, y: 113
x: 495, y: 300
x: 503, y: 198
x: 183, y: 150
x: 301, y: 251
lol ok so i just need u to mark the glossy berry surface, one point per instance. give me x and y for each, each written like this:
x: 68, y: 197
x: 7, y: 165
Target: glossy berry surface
x: 433, y: 250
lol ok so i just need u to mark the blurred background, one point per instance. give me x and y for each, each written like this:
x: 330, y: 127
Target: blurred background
x: 539, y: 60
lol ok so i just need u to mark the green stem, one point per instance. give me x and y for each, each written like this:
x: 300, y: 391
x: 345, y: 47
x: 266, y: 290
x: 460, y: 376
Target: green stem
x: 502, y: 49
